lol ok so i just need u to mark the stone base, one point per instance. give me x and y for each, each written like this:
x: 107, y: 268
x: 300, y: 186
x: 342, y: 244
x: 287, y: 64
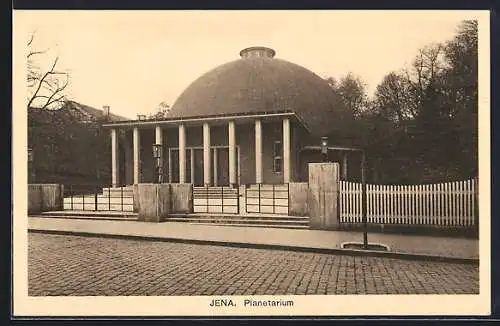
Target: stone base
x: 153, y: 201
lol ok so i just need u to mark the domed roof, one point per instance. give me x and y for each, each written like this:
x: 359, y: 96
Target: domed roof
x: 260, y: 83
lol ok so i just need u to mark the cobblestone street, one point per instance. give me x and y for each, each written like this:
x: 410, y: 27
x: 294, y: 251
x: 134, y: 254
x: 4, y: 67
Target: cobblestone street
x: 91, y: 266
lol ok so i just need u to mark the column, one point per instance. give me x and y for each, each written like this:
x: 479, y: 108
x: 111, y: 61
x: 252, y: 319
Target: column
x: 286, y: 150
x: 215, y: 167
x: 232, y: 153
x: 344, y: 166
x: 258, y: 151
x: 206, y: 154
x: 182, y: 154
x: 114, y: 159
x: 137, y: 155
x: 191, y: 153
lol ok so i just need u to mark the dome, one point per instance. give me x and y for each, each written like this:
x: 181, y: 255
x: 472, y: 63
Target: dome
x: 260, y: 83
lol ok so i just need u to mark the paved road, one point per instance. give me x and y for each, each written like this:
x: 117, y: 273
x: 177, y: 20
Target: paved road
x: 73, y: 265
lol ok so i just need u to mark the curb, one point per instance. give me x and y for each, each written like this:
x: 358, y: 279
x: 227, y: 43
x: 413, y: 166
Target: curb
x: 337, y: 251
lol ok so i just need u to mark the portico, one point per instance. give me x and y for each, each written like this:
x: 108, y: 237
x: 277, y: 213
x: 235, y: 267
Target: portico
x: 209, y: 151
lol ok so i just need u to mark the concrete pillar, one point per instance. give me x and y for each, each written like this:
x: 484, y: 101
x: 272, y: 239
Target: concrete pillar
x: 137, y: 155
x: 286, y: 150
x: 154, y: 201
x: 191, y: 153
x: 215, y: 165
x: 182, y: 154
x: 232, y: 153
x: 115, y: 168
x: 258, y: 151
x: 206, y: 154
x: 322, y: 199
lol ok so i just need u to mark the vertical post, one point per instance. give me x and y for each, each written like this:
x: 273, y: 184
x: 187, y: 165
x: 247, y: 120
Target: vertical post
x: 114, y: 159
x: 191, y: 154
x: 286, y: 150
x: 206, y: 154
x: 258, y: 151
x: 344, y: 166
x: 182, y: 153
x: 137, y: 155
x: 215, y: 165
x: 363, y: 200
x: 159, y: 166
x: 169, y: 165
x: 95, y: 198
x: 232, y: 153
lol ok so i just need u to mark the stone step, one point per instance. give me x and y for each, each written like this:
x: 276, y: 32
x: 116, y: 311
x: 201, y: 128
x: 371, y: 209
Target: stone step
x: 238, y: 220
x: 119, y: 215
x: 281, y: 226
x: 255, y: 217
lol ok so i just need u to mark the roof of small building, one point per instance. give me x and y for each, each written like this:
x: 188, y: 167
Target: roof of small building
x: 96, y: 113
x: 260, y: 83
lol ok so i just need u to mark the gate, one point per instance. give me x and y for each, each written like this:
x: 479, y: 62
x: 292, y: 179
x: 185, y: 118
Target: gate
x: 92, y: 197
x: 267, y: 198
x: 221, y: 199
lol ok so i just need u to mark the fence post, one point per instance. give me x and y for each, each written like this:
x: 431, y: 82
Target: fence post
x: 222, y: 199
x: 95, y: 199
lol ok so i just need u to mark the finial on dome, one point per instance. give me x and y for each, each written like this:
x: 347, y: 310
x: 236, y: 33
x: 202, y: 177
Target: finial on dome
x: 257, y: 51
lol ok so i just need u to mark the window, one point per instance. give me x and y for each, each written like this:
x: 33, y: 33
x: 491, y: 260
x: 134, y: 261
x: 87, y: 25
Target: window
x: 277, y: 157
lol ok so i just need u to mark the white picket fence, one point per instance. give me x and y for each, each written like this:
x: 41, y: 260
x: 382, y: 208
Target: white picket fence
x: 442, y: 204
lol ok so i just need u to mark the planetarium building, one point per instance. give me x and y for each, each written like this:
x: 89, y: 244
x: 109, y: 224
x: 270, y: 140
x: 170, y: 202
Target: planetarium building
x: 257, y: 120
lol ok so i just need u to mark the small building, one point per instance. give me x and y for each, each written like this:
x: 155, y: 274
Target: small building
x: 256, y: 120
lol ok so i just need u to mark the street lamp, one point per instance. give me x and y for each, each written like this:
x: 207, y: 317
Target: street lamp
x: 31, y: 173
x: 324, y: 148
x: 157, y: 151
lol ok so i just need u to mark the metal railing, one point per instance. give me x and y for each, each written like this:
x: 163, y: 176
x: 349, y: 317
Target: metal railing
x: 96, y: 197
x: 216, y: 199
x: 267, y: 198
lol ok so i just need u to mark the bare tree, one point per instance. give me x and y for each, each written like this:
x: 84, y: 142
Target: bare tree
x: 45, y: 87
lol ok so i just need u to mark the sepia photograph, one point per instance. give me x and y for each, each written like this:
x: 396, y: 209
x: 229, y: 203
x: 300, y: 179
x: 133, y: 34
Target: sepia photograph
x: 204, y: 163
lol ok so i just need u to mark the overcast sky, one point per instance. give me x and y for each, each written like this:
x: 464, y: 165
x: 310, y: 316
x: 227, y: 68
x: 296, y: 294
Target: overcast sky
x: 134, y: 60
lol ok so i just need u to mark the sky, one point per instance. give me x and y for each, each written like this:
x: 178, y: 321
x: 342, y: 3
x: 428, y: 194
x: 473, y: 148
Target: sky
x: 132, y: 61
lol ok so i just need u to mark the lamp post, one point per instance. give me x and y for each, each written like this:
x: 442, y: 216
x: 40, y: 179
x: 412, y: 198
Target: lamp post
x: 364, y: 200
x: 324, y: 149
x: 31, y: 173
x: 157, y: 151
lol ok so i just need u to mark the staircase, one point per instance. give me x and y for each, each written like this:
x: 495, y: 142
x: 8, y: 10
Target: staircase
x: 253, y: 220
x: 211, y: 206
x: 111, y: 199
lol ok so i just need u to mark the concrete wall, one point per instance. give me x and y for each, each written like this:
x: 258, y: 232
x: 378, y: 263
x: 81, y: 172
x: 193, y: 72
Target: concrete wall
x: 181, y: 197
x: 45, y: 197
x: 34, y: 198
x: 154, y: 201
x: 297, y: 201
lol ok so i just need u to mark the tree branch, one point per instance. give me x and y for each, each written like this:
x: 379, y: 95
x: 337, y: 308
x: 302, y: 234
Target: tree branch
x: 41, y: 82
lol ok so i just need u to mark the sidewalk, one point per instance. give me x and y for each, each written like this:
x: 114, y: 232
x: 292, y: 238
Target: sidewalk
x: 401, y: 246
